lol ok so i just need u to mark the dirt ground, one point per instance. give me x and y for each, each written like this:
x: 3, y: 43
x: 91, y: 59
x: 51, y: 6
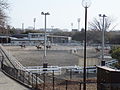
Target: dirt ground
x: 57, y: 55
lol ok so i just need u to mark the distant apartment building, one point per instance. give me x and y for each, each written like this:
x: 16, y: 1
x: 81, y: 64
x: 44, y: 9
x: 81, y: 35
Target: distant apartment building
x: 37, y: 39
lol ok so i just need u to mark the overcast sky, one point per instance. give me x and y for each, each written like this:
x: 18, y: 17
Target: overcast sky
x: 62, y: 12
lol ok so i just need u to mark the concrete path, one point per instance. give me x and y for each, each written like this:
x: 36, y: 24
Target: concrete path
x: 7, y: 83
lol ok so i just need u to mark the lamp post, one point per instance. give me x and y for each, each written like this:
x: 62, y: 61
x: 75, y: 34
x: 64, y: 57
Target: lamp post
x: 34, y: 23
x: 78, y: 24
x: 71, y: 26
x: 103, y: 38
x: 23, y: 27
x: 52, y: 31
x: 47, y: 13
x: 86, y: 4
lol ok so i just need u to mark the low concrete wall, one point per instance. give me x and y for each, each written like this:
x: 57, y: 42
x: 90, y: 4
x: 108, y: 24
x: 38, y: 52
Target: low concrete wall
x: 89, y: 61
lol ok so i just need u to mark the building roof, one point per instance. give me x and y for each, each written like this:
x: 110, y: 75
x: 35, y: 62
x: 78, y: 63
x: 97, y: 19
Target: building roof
x: 107, y: 68
x: 20, y: 35
x: 57, y: 36
x: 3, y: 36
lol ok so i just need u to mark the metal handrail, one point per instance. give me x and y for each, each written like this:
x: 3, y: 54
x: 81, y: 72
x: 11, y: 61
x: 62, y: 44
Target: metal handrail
x: 17, y: 65
x: 21, y: 76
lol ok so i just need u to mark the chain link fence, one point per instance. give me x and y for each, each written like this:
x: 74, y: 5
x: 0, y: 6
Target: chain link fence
x: 55, y: 82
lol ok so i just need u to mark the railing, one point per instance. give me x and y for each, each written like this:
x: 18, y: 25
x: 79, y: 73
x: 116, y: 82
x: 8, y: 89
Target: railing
x: 15, y: 69
x: 12, y: 60
x: 51, y: 82
x: 24, y: 77
x: 39, y: 81
x: 55, y: 82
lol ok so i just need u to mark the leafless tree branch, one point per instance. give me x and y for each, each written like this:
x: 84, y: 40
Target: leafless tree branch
x: 98, y: 23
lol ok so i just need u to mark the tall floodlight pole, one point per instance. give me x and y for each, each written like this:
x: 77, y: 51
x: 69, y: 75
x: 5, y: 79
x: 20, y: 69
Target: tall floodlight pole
x: 78, y: 24
x: 52, y: 31
x: 103, y: 36
x: 71, y: 26
x: 86, y: 4
x: 34, y: 23
x: 23, y: 27
x: 42, y: 13
x: 52, y: 28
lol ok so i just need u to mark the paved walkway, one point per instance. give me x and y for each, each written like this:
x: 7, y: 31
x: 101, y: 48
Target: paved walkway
x: 7, y: 83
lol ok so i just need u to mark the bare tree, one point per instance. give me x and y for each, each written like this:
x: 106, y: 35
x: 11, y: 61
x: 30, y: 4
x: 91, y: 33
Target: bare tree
x: 98, y: 23
x: 3, y: 6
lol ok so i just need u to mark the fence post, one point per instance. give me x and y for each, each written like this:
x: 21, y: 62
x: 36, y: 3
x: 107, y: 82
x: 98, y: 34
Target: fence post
x: 80, y: 87
x: 53, y: 80
x: 28, y: 78
x: 87, y: 72
x: 10, y: 70
x: 23, y: 76
x: 70, y: 74
x: 16, y: 74
x: 2, y: 61
x: 44, y: 81
x: 66, y: 84
x: 20, y: 74
x: 32, y: 80
x: 36, y: 81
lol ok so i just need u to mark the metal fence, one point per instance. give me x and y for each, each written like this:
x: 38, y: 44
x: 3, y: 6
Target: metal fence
x: 27, y: 78
x: 15, y: 70
x: 54, y: 82
x: 50, y: 81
